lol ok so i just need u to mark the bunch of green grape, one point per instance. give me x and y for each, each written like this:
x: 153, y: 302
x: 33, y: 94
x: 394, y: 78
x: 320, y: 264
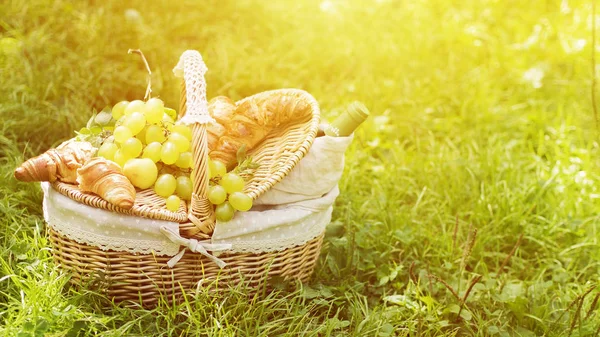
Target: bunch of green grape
x: 151, y: 148
x: 226, y: 191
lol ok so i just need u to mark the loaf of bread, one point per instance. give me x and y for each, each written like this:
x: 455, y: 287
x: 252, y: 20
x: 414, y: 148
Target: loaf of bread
x: 249, y: 122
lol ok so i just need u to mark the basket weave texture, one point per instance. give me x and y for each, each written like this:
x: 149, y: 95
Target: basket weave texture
x: 144, y: 278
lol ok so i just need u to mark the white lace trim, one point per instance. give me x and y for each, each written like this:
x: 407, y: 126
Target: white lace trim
x: 192, y: 68
x: 110, y: 243
x: 278, y: 244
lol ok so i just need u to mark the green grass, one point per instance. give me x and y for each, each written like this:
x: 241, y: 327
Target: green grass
x: 458, y: 141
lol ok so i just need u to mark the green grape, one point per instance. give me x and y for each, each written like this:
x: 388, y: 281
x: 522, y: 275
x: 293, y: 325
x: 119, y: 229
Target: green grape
x: 132, y: 147
x: 135, y: 106
x: 184, y: 187
x: 169, y: 153
x: 240, y: 201
x: 142, y: 135
x: 122, y: 133
x: 165, y: 185
x: 152, y: 151
x: 224, y: 212
x: 167, y: 119
x: 119, y: 109
x: 182, y: 143
x: 121, y: 121
x: 173, y: 203
x: 155, y: 133
x: 120, y: 158
x: 142, y: 172
x: 168, y: 122
x: 185, y: 160
x: 232, y: 183
x: 154, y: 110
x: 217, y: 194
x: 107, y: 150
x: 217, y: 168
x: 135, y: 122
x: 183, y: 130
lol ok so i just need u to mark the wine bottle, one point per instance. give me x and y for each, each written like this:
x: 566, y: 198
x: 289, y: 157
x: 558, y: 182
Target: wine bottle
x: 348, y: 121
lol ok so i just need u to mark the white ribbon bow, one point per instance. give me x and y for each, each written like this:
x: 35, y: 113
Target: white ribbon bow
x: 194, y: 246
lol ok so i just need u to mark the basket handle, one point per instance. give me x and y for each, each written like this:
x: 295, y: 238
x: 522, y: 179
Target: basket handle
x: 194, y: 111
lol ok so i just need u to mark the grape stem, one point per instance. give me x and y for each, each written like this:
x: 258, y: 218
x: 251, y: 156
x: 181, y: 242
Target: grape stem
x: 149, y: 87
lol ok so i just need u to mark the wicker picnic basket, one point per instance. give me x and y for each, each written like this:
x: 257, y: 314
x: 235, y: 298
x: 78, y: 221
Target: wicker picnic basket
x: 146, y: 278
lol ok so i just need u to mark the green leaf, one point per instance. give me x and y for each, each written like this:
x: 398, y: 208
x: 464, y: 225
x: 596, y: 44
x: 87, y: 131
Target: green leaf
x: 428, y: 300
x: 85, y: 131
x: 466, y: 315
x: 95, y: 130
x: 453, y: 308
x: 171, y: 113
x: 326, y: 292
x: 384, y: 280
x: 77, y: 327
x: 337, y: 324
x: 42, y: 326
x: 334, y: 229
x: 309, y: 292
x: 28, y: 326
x: 20, y: 250
x: 241, y: 154
x: 386, y: 330
x: 443, y: 323
x: 493, y: 330
x: 401, y: 300
x: 321, y: 301
x: 524, y: 332
x: 511, y: 292
x: 91, y: 122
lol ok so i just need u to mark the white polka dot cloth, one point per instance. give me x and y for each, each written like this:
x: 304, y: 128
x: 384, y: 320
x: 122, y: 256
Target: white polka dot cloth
x: 314, y: 175
x: 105, y: 229
x: 275, y: 228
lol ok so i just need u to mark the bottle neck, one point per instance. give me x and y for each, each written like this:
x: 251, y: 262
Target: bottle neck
x: 348, y: 121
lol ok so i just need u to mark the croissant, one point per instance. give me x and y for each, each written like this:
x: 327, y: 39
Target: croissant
x: 60, y: 163
x: 250, y: 122
x: 221, y: 108
x: 105, y: 178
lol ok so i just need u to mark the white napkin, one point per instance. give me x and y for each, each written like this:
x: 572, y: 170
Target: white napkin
x: 315, y: 175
